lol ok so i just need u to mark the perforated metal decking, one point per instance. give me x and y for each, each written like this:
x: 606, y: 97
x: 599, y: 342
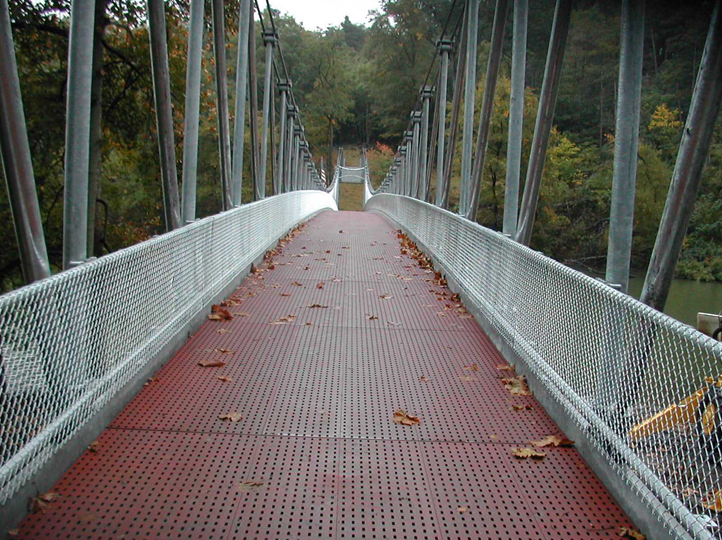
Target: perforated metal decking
x: 317, y: 393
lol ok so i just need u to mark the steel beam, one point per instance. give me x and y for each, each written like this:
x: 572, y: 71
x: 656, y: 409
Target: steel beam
x: 487, y: 105
x: 626, y: 135
x: 472, y: 14
x: 691, y: 157
x: 516, y: 117
x: 239, y: 128
x: 269, y: 41
x: 544, y: 119
x: 192, y: 110
x: 224, y: 131
x: 17, y: 162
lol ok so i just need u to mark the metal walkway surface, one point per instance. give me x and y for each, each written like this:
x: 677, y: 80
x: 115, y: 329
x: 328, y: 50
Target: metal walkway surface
x: 327, y: 341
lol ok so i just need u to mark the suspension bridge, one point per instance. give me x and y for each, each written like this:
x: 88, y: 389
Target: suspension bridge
x: 286, y: 370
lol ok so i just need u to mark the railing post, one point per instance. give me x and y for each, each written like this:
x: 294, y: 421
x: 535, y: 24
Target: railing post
x: 269, y: 40
x: 404, y: 167
x: 693, y: 151
x: 239, y: 128
x: 626, y: 135
x: 259, y: 184
x: 472, y: 14
x: 224, y: 131
x: 444, y: 46
x: 516, y: 117
x: 288, y: 166
x: 192, y: 110
x: 487, y: 105
x: 17, y: 161
x: 544, y: 119
x: 283, y: 86
x: 416, y: 153
x: 77, y: 133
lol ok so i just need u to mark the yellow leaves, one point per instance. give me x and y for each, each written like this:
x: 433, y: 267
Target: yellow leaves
x: 665, y: 118
x: 713, y: 501
x: 405, y: 419
x: 211, y: 363
x: 219, y: 313
x: 626, y: 532
x: 526, y: 453
x: 553, y: 440
x: 231, y: 417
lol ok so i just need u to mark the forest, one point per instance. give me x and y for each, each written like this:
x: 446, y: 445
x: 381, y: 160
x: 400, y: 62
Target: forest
x: 355, y: 85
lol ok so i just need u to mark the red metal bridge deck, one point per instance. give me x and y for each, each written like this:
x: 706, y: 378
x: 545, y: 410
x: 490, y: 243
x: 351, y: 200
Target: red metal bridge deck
x: 316, y: 454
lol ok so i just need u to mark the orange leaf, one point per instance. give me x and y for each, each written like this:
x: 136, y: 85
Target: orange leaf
x: 424, y: 378
x: 311, y: 306
x: 472, y: 367
x: 233, y: 417
x: 385, y: 296
x: 219, y: 313
x: 553, y: 440
x: 211, y: 363
x: 525, y: 453
x: 319, y: 285
x: 462, y: 509
x: 504, y: 367
x: 223, y: 378
x: 626, y: 532
x: 713, y: 501
x: 401, y: 417
x: 296, y: 284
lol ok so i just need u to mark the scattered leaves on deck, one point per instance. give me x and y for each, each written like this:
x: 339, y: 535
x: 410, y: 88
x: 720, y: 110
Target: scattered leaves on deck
x: 93, y: 447
x: 526, y: 453
x: 517, y: 386
x: 386, y: 297
x: 211, y: 363
x: 462, y: 509
x: 296, y: 284
x: 467, y: 378
x: 424, y: 378
x: 285, y: 294
x: 231, y: 417
x: 40, y: 503
x: 405, y: 419
x: 626, y: 532
x: 553, y: 440
x: 219, y: 313
x: 504, y: 367
x: 284, y: 320
x: 373, y: 318
x: 223, y: 331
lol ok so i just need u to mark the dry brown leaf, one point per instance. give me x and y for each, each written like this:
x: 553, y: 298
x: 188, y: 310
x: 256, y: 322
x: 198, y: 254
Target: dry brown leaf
x: 340, y: 232
x: 219, y: 313
x: 312, y: 306
x: 285, y: 294
x: 385, y: 297
x: 232, y: 417
x: 309, y: 324
x: 223, y: 378
x: 467, y: 378
x: 401, y: 417
x: 522, y: 407
x: 250, y: 485
x: 319, y: 285
x: 504, y: 367
x: 373, y: 318
x: 424, y: 378
x: 626, y: 532
x: 462, y: 509
x: 392, y: 323
x: 525, y: 453
x: 211, y: 363
x: 553, y: 440
x: 472, y: 367
x: 296, y: 284
x: 517, y: 386
x: 14, y: 532
x: 223, y: 331
x: 222, y: 351
x: 93, y: 447
x: 713, y: 501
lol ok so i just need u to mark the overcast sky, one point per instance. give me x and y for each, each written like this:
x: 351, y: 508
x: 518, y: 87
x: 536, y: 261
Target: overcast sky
x: 323, y: 13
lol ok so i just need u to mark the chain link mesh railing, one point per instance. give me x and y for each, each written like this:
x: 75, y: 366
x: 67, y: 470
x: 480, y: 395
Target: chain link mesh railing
x: 644, y: 388
x: 70, y: 342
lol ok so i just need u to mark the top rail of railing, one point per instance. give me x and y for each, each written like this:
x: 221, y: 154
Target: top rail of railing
x: 644, y: 389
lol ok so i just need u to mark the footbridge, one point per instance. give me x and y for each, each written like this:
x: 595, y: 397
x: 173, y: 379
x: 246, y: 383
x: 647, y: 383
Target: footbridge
x: 285, y: 370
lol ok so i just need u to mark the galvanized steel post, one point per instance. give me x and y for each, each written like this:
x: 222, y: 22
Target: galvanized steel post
x: 693, y: 151
x: 283, y: 86
x: 472, y: 13
x: 626, y: 135
x: 487, y: 105
x: 445, y: 46
x: 416, y: 153
x: 17, y: 162
x: 426, y: 94
x: 516, y: 117
x: 192, y: 110
x: 224, y: 131
x: 544, y: 119
x: 239, y: 128
x: 269, y: 40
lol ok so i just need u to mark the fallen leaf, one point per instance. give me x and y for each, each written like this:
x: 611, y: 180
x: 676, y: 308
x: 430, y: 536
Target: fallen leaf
x: 385, y: 296
x: 392, y: 323
x: 504, y: 367
x: 211, y: 363
x: 467, y: 378
x: 525, y: 453
x: 373, y: 318
x: 319, y: 285
x: 222, y: 351
x: 223, y: 331
x: 472, y: 367
x: 50, y: 496
x: 626, y: 532
x: 219, y: 313
x: 309, y: 324
x: 285, y: 294
x: 14, y: 532
x: 311, y: 306
x: 296, y: 284
x: 517, y: 386
x: 223, y: 378
x: 88, y: 518
x: 462, y: 509
x: 40, y: 503
x: 249, y: 485
x: 424, y: 378
x: 233, y: 417
x: 553, y: 440
x: 522, y: 407
x: 401, y: 417
x: 340, y: 232
x: 336, y: 280
x: 93, y: 447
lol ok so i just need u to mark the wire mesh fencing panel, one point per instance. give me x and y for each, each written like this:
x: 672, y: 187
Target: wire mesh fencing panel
x: 644, y: 388
x: 70, y: 342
